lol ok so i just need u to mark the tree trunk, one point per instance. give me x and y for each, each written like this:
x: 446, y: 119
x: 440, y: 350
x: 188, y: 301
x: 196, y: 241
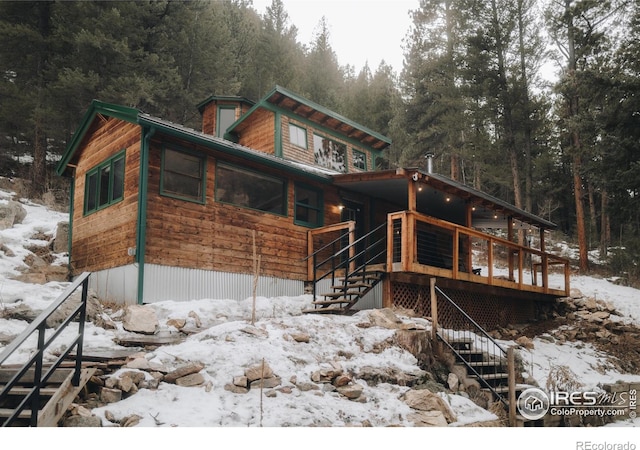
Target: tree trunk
x: 605, y: 230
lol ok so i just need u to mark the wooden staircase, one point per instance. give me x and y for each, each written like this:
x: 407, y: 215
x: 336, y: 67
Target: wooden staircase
x: 348, y: 290
x: 54, y: 397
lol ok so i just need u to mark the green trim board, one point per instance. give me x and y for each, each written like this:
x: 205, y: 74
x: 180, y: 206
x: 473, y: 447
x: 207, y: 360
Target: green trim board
x: 141, y: 231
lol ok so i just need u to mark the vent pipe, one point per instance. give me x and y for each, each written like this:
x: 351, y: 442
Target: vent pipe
x: 429, y: 157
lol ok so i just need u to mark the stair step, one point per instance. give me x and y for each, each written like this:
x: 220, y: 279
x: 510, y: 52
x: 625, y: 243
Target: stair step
x: 331, y: 302
x: 487, y: 364
x: 352, y: 285
x: 492, y: 376
x: 325, y: 311
x: 7, y: 373
x: 26, y: 390
x: 341, y: 294
x: 7, y: 412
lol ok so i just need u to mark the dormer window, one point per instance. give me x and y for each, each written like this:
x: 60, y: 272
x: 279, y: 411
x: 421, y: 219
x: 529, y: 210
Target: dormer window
x: 226, y: 117
x: 297, y: 136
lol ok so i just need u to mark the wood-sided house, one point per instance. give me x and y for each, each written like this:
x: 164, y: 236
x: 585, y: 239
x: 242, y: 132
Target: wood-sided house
x: 160, y: 211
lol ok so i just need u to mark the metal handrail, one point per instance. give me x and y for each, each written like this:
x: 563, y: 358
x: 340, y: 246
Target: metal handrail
x: 31, y: 399
x: 477, y: 329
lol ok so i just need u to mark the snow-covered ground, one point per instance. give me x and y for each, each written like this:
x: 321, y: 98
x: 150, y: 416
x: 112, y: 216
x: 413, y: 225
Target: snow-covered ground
x: 226, y: 346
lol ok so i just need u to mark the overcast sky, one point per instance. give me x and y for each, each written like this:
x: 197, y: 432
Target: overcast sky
x: 361, y: 31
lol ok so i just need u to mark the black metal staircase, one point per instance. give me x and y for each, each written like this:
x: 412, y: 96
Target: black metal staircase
x: 38, y: 392
x: 353, y: 270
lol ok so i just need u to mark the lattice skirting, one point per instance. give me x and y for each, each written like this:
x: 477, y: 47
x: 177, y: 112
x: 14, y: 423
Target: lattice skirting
x: 488, y: 310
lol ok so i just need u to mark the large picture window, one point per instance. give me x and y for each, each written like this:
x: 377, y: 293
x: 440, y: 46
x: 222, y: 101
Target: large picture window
x: 249, y: 189
x: 309, y: 206
x: 104, y: 184
x: 330, y: 154
x: 183, y: 175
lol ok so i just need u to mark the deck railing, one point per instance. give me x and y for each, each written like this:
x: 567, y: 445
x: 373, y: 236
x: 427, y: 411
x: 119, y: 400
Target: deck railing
x: 423, y: 244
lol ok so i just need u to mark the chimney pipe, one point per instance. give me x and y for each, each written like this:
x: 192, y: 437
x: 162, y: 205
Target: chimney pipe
x: 429, y: 157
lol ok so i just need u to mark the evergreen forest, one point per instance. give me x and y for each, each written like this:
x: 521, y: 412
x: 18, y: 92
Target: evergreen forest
x: 471, y: 92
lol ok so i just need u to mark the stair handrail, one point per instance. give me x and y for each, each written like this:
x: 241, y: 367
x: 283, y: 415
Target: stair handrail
x: 32, y: 399
x: 477, y: 330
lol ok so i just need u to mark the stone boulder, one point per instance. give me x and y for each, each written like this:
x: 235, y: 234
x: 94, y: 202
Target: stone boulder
x: 11, y: 213
x: 61, y: 240
x: 94, y: 308
x: 425, y: 400
x: 140, y: 319
x: 384, y: 318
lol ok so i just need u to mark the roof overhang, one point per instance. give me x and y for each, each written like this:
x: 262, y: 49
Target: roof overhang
x: 440, y: 197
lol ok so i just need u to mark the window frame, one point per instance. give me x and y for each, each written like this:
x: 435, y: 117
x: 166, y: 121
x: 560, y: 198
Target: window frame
x: 203, y: 174
x: 240, y: 170
x: 304, y: 133
x: 319, y: 208
x: 219, y: 132
x: 364, y: 158
x: 333, y: 142
x: 96, y: 171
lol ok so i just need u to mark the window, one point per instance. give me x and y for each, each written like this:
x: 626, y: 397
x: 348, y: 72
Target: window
x: 359, y: 160
x: 183, y: 175
x: 226, y: 117
x: 329, y: 154
x: 297, y: 135
x: 243, y: 187
x: 104, y: 184
x: 309, y: 206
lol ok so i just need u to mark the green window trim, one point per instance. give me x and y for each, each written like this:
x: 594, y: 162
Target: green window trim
x: 251, y: 189
x: 104, y: 184
x: 359, y: 159
x: 304, y: 210
x: 174, y: 177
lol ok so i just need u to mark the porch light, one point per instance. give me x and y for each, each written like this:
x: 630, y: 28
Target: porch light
x: 448, y: 199
x: 340, y: 207
x: 495, y: 216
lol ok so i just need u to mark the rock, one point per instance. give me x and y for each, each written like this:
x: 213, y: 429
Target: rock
x: 21, y: 312
x: 141, y: 363
x: 258, y: 371
x: 140, y: 319
x: 385, y: 318
x: 375, y: 375
x: 11, y: 213
x: 108, y: 395
x: 525, y: 342
x: 235, y: 389
x: 82, y: 421
x: 352, y: 391
x: 125, y: 384
x: 177, y: 323
x: 598, y: 316
x: 130, y: 421
x: 304, y: 386
x: 194, y: 379
x: 425, y: 400
x: 453, y: 381
x: 415, y: 342
x: 109, y: 416
x: 266, y: 383
x: 428, y: 419
x: 61, y: 240
x: 196, y: 319
x: 342, y: 380
x: 258, y: 332
x: 183, y: 371
x: 300, y: 337
x: 575, y: 293
x: 241, y: 381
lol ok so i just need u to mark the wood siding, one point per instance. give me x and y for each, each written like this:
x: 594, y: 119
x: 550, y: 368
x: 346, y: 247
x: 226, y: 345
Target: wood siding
x: 218, y: 236
x: 258, y: 131
x: 210, y: 114
x: 101, y: 240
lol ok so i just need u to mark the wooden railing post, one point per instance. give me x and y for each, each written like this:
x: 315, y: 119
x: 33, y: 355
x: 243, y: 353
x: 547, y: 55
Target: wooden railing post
x: 434, y: 310
x: 511, y: 368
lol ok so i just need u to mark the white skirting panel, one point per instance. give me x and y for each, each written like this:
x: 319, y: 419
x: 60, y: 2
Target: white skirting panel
x: 180, y: 284
x: 119, y: 285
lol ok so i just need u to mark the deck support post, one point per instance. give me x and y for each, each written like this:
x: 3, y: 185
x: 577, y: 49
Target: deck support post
x: 511, y: 368
x: 434, y: 310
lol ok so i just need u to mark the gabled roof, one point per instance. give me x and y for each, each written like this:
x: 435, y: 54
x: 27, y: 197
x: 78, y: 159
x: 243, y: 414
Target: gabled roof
x: 133, y: 115
x: 283, y: 99
x: 223, y: 98
x: 95, y: 109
